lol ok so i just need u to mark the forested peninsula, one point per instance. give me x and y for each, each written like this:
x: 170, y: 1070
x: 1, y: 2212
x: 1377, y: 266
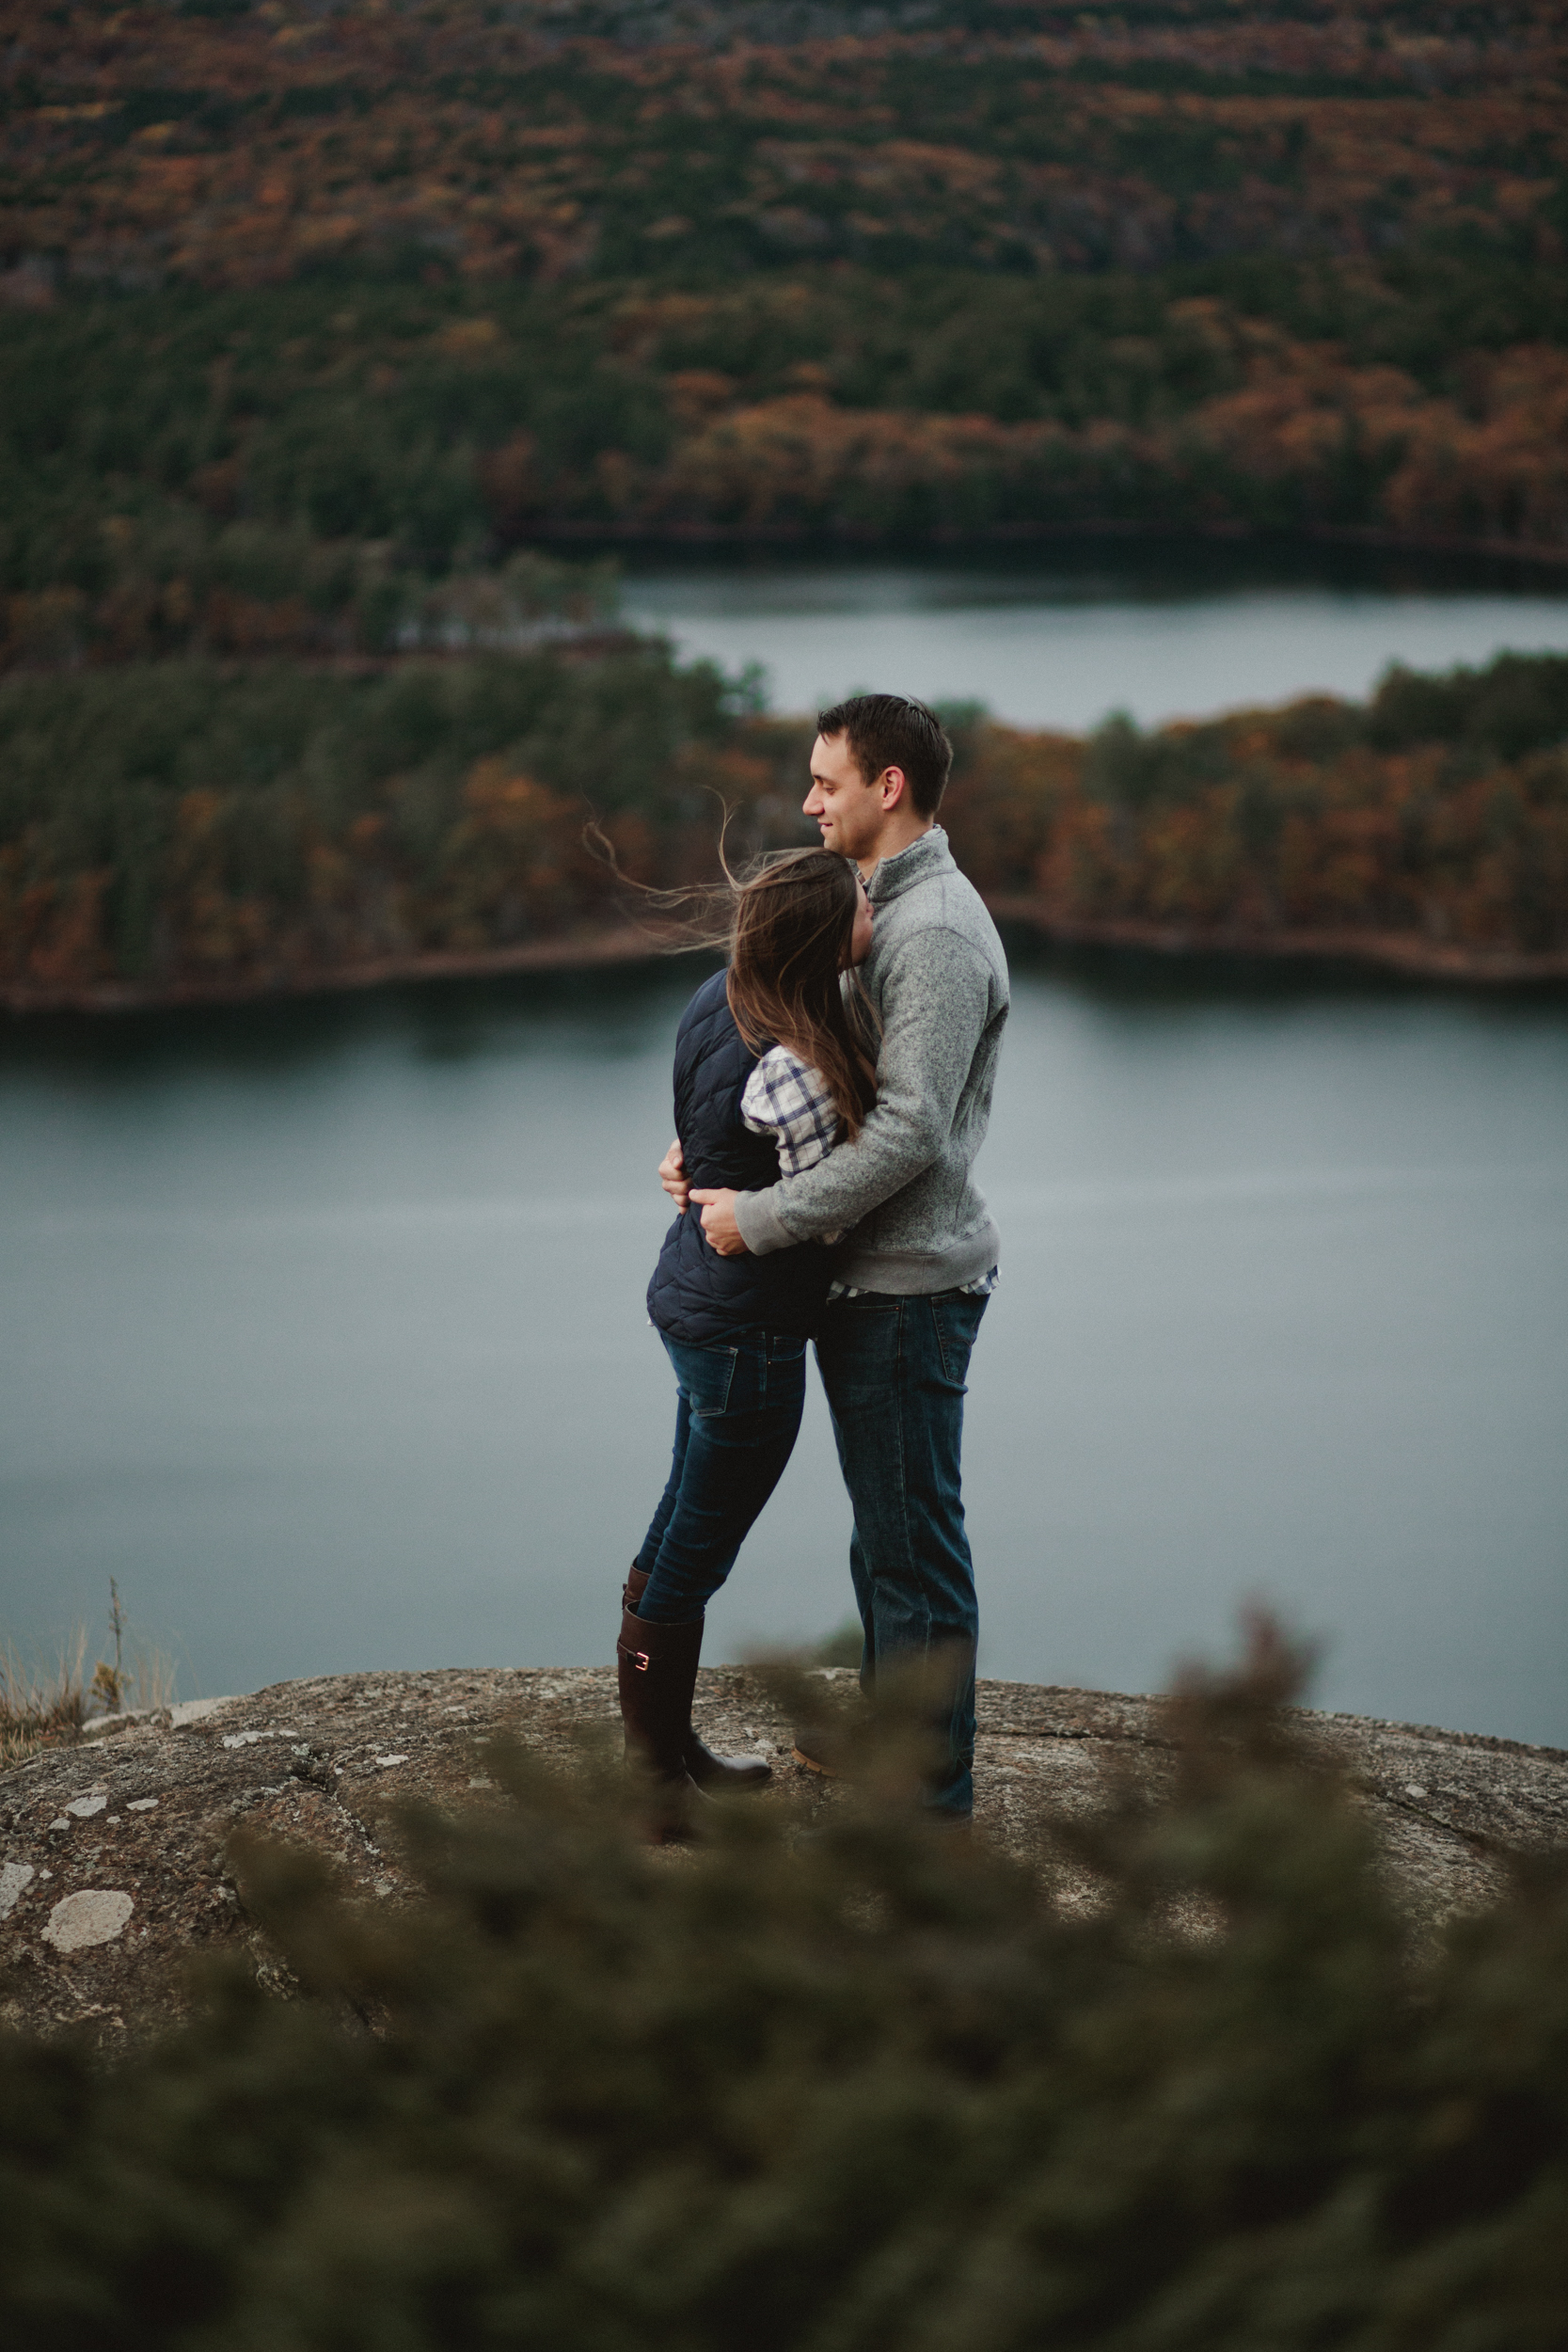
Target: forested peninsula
x: 338, y: 340
x: 189, y: 830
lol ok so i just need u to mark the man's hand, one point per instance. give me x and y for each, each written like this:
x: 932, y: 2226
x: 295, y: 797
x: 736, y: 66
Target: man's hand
x: 719, y: 1221
x: 671, y: 1175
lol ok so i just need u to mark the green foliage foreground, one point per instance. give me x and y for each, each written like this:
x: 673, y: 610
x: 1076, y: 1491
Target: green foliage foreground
x: 867, y: 2090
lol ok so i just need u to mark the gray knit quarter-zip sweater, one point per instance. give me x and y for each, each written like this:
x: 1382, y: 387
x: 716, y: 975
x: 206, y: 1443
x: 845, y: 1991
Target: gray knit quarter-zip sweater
x: 939, y: 978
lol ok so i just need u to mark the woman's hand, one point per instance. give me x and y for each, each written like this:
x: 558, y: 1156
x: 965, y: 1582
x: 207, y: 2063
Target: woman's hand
x: 671, y: 1175
x: 719, y: 1221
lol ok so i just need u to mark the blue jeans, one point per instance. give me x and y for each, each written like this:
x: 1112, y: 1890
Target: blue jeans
x: 894, y: 1370
x: 738, y: 1414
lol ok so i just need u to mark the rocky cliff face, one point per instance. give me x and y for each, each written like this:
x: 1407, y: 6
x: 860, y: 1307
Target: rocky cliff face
x: 113, y: 1866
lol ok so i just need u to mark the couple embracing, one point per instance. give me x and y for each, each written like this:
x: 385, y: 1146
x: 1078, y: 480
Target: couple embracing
x: 833, y: 1089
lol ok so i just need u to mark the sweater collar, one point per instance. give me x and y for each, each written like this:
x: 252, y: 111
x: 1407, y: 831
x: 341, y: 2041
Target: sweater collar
x: 927, y: 854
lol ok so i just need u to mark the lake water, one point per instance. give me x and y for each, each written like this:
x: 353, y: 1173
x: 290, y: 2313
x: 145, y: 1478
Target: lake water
x: 324, y: 1334
x: 1059, y: 639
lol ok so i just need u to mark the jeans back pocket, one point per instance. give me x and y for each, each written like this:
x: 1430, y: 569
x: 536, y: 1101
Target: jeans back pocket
x: 707, y: 1375
x: 955, y: 1316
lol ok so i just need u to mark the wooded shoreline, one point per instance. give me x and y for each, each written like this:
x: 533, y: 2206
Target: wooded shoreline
x: 610, y: 947
x: 558, y: 536
x: 183, y: 834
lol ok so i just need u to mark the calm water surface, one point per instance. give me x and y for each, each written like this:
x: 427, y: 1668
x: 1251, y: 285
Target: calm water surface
x: 1059, y: 639
x: 324, y: 1334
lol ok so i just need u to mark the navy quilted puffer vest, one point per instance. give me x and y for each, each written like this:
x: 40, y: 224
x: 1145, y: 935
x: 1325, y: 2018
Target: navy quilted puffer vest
x: 697, y: 1297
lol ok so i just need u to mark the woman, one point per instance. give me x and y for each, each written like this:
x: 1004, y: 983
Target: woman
x: 772, y: 1069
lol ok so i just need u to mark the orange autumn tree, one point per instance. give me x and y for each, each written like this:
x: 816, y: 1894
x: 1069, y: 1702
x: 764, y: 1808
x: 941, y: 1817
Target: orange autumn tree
x: 1439, y: 817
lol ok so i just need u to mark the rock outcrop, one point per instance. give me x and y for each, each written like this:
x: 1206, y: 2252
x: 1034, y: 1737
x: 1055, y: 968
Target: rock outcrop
x: 113, y: 1865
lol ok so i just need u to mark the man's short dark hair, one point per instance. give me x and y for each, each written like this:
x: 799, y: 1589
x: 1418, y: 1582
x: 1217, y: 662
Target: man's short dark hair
x: 889, y: 731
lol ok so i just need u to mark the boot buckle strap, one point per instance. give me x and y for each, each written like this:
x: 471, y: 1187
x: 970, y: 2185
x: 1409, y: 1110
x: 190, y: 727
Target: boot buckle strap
x: 639, y: 1657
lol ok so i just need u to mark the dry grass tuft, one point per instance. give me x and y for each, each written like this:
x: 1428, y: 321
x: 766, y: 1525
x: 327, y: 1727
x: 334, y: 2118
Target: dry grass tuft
x: 49, y: 1705
x: 41, y: 1706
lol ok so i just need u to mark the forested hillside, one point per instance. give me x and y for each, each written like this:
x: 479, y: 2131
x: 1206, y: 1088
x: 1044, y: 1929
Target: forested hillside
x: 313, y: 305
x: 192, y: 828
x: 333, y: 328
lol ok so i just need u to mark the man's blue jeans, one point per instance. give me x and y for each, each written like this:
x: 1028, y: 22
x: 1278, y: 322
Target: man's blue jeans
x: 736, y: 1418
x: 894, y: 1370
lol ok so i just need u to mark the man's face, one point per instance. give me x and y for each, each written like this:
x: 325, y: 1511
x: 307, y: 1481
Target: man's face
x: 849, y: 811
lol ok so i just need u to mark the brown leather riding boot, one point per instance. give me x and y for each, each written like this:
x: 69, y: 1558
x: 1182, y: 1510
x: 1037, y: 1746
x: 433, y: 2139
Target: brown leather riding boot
x: 714, y: 1774
x: 657, y: 1667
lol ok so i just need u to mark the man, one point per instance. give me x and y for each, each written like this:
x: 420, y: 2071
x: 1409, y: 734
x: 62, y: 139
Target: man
x: 916, y: 1272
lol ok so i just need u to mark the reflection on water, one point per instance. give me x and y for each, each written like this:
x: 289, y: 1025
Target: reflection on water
x: 325, y: 1334
x: 1059, y: 638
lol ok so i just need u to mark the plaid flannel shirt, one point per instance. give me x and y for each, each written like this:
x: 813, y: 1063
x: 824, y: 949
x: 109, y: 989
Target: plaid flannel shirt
x: 785, y: 1098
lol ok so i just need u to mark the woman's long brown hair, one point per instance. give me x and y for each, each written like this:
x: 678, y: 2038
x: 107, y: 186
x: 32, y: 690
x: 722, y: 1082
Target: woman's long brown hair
x: 789, y: 954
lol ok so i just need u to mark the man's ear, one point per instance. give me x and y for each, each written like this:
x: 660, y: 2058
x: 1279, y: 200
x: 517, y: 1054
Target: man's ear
x: 895, y: 787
